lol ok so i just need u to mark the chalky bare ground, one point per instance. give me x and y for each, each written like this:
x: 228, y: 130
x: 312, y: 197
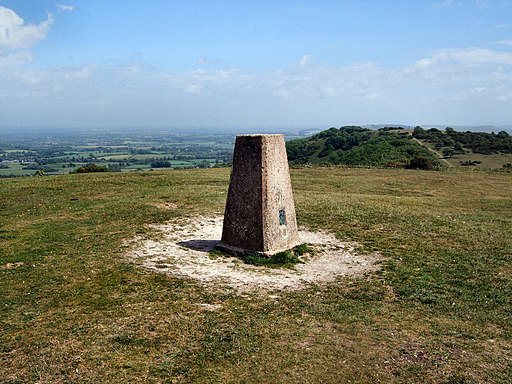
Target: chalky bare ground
x: 185, y: 250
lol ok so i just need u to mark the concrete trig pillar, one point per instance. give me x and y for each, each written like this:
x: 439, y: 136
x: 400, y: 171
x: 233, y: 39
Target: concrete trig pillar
x: 260, y: 212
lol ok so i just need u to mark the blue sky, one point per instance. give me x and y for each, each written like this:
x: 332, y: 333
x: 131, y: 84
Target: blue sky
x: 254, y: 64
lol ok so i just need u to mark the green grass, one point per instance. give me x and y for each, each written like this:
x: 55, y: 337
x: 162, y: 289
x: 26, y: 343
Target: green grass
x: 439, y: 310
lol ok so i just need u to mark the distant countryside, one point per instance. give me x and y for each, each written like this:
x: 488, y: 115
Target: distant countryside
x: 66, y: 153
x: 389, y: 147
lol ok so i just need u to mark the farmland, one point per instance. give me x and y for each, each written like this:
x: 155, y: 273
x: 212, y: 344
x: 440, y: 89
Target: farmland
x: 61, y: 153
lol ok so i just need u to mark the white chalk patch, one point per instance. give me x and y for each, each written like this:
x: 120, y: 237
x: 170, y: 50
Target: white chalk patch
x: 184, y: 250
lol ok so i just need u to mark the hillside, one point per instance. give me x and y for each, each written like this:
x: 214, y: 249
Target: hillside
x: 399, y: 147
x: 480, y: 149
x: 353, y: 145
x: 76, y: 309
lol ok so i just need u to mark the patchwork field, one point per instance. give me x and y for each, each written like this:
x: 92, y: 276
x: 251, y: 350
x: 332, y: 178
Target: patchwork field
x: 55, y: 153
x: 76, y: 309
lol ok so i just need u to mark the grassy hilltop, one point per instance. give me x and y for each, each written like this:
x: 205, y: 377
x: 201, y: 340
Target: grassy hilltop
x: 396, y: 147
x: 74, y: 309
x: 357, y: 146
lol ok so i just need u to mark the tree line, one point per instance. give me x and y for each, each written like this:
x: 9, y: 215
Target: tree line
x: 357, y: 146
x: 454, y: 142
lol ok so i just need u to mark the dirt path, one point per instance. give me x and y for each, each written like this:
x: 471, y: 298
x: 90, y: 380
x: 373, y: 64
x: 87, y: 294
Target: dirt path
x: 184, y: 250
x: 438, y: 155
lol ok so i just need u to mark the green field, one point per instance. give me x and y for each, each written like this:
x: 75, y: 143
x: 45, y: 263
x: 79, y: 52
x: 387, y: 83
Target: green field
x: 16, y: 169
x: 117, y: 151
x: 74, y: 309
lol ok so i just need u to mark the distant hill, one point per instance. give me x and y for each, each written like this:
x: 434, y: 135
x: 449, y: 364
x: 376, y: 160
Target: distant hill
x: 480, y: 149
x: 355, y: 145
x: 473, y: 128
x: 452, y: 141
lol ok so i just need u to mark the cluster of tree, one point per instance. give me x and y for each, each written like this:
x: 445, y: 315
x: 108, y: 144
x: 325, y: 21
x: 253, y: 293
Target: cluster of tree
x: 454, y: 142
x: 391, y: 129
x: 91, y: 167
x: 115, y: 167
x: 469, y: 163
x: 45, y: 168
x: 10, y: 175
x: 357, y: 146
x: 58, y: 160
x: 135, y: 151
x: 161, y: 164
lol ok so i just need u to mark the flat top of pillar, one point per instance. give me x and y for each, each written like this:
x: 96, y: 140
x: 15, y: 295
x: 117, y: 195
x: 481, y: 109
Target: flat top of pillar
x: 259, y: 134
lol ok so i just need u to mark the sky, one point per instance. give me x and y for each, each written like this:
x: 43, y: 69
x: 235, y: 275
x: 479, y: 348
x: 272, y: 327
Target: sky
x: 255, y: 63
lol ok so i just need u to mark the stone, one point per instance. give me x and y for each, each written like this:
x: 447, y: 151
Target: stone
x: 260, y: 212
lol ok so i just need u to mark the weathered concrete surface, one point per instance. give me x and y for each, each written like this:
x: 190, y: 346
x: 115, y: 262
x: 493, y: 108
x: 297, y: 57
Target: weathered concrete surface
x: 260, y: 212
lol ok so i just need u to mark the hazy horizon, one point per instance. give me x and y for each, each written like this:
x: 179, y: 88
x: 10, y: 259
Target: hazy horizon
x: 245, y: 64
x: 10, y: 132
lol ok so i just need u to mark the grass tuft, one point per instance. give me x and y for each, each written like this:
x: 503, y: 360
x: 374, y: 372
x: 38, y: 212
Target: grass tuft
x: 285, y: 259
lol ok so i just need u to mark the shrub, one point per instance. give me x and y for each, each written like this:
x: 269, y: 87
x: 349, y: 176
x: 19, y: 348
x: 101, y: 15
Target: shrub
x: 160, y: 164
x: 470, y: 163
x: 90, y: 168
x: 424, y: 163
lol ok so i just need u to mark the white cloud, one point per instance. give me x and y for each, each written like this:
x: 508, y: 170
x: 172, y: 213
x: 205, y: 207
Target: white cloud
x: 453, y: 86
x: 15, y: 34
x: 65, y: 8
x: 504, y: 97
x: 470, y: 56
x: 504, y: 42
x: 194, y: 89
x: 81, y: 73
x: 15, y: 58
x: 482, y: 56
x: 373, y: 95
x: 305, y: 61
x: 482, y: 4
x: 443, y: 4
x: 203, y: 60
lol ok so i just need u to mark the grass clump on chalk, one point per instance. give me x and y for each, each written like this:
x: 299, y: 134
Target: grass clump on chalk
x: 285, y: 259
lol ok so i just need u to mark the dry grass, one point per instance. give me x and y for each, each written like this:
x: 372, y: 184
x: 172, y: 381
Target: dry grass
x: 439, y: 311
x: 492, y: 161
x: 496, y: 160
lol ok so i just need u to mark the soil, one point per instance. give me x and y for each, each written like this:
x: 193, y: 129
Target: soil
x: 184, y: 250
x: 12, y: 265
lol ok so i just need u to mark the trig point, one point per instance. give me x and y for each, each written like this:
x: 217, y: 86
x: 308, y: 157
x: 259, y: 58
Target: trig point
x: 260, y: 213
